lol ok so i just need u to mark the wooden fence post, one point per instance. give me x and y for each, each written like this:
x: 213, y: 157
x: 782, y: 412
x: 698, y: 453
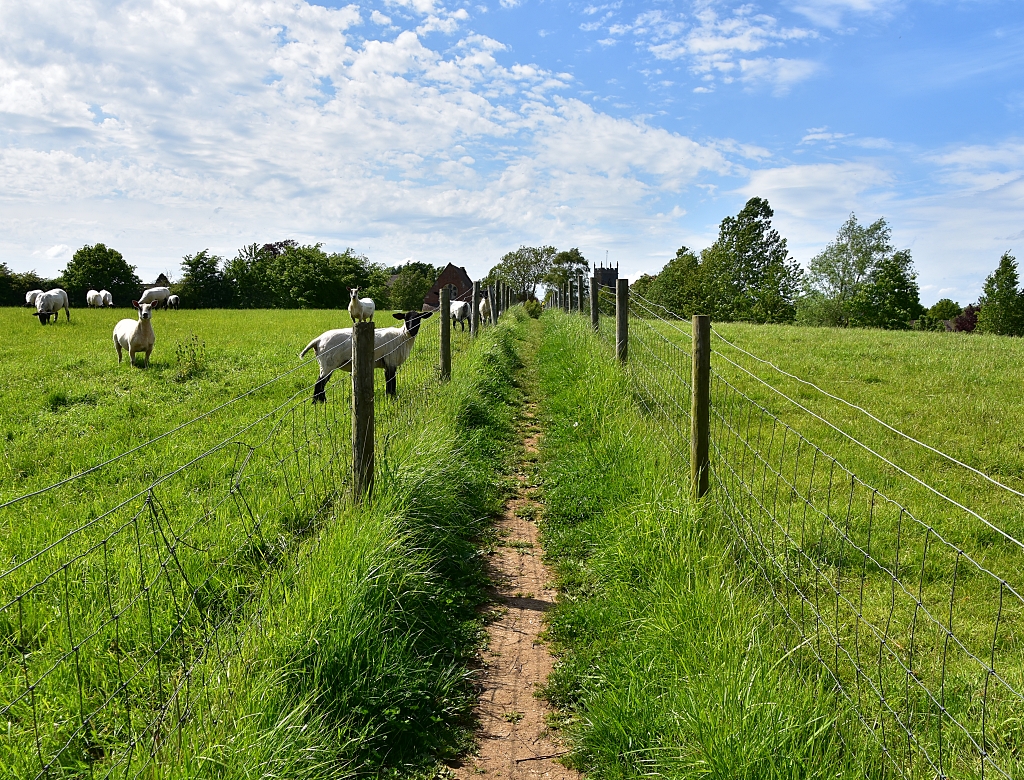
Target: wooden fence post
x: 362, y: 409
x: 700, y: 406
x: 474, y: 313
x: 446, y: 333
x: 622, y: 319
x: 579, y: 294
x: 595, y: 296
x: 493, y: 305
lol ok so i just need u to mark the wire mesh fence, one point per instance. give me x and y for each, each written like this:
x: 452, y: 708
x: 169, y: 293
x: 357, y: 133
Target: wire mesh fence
x: 920, y: 634
x: 120, y: 633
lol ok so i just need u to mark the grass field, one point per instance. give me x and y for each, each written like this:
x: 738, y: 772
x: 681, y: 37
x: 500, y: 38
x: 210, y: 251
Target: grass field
x: 127, y: 593
x: 909, y: 602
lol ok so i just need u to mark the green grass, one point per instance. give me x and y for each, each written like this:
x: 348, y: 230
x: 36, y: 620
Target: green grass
x: 670, y: 663
x: 893, y: 602
x: 242, y: 597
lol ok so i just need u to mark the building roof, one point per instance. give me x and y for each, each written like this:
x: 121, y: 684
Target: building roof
x: 454, y: 275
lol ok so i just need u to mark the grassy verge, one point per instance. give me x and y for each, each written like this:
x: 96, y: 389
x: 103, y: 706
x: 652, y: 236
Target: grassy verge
x: 669, y: 664
x: 347, y: 654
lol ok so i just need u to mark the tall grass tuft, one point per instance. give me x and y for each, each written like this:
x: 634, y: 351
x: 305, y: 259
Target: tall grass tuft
x: 670, y: 665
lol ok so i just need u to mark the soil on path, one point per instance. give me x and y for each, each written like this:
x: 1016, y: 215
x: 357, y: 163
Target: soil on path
x: 514, y: 740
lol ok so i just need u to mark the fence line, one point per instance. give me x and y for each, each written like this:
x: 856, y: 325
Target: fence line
x: 914, y: 631
x: 117, y: 639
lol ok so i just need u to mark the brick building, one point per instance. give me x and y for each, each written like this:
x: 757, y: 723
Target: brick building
x: 459, y: 280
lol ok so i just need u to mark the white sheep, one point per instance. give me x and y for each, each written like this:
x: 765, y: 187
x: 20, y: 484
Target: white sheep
x: 485, y: 311
x: 157, y: 296
x: 108, y: 299
x: 30, y: 297
x: 136, y: 335
x: 361, y: 309
x: 93, y: 299
x: 391, y: 348
x: 459, y: 311
x: 173, y: 301
x: 49, y: 304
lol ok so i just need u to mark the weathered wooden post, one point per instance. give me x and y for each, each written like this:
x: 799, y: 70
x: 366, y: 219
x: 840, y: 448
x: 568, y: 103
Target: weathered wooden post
x: 446, y: 333
x: 493, y: 306
x: 565, y: 295
x: 474, y: 313
x: 362, y: 409
x: 622, y: 319
x: 595, y: 313
x: 700, y: 406
x: 579, y: 294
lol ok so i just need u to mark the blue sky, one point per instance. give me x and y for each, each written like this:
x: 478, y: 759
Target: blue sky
x: 437, y: 131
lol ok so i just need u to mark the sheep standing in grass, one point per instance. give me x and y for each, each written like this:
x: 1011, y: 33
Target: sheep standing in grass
x: 30, y: 297
x: 361, y: 309
x: 136, y: 335
x: 485, y: 310
x: 157, y: 296
x: 173, y: 301
x: 49, y: 304
x: 108, y: 299
x: 391, y: 348
x: 93, y: 299
x: 459, y: 312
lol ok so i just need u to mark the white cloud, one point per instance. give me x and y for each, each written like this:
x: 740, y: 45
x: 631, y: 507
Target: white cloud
x: 378, y: 18
x: 831, y: 13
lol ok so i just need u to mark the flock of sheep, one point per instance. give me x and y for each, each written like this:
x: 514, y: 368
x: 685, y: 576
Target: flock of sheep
x: 333, y: 348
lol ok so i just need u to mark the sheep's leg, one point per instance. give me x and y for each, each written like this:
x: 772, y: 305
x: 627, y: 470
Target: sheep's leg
x: 319, y: 393
x: 67, y: 311
x: 390, y: 383
x: 146, y: 365
x: 118, y: 352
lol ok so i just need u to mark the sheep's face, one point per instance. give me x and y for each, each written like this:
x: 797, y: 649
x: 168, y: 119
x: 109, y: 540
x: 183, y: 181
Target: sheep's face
x: 413, y: 320
x: 145, y: 310
x: 44, y: 317
x: 353, y: 292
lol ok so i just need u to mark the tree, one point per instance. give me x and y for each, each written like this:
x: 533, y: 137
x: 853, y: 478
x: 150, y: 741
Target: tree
x: 944, y: 309
x: 1002, y: 304
x: 967, y: 320
x: 747, y: 273
x: 565, y: 265
x: 99, y: 267
x: 837, y: 273
x: 678, y: 286
x: 410, y: 288
x: 526, y: 267
x: 202, y: 282
x: 890, y: 297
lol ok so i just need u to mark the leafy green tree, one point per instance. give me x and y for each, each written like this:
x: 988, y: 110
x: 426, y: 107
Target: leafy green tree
x: 747, y: 273
x: 565, y: 265
x: 526, y: 267
x: 202, y: 283
x: 1001, y: 302
x: 679, y: 286
x: 410, y: 288
x: 99, y: 267
x: 836, y: 275
x: 944, y: 309
x: 890, y: 297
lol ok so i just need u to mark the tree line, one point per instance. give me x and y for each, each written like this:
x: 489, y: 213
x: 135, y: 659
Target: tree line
x: 860, y: 279
x: 281, y: 274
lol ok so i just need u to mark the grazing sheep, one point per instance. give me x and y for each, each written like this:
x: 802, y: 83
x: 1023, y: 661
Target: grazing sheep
x: 391, y: 348
x: 485, y: 311
x: 93, y: 299
x: 459, y: 311
x: 173, y: 301
x: 49, y: 304
x: 361, y: 309
x: 136, y: 335
x: 30, y: 297
x: 157, y: 296
x: 108, y: 299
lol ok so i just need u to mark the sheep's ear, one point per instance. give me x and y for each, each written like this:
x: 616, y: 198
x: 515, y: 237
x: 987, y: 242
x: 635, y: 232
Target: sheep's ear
x: 428, y: 314
x: 398, y: 316
x: 135, y: 304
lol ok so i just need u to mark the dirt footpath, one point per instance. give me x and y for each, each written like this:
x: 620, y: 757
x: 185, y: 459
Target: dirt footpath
x: 514, y: 741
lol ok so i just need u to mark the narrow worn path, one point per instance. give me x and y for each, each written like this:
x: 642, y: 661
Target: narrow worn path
x: 514, y: 740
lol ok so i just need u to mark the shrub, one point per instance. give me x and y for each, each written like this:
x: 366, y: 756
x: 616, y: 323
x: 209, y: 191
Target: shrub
x: 533, y: 308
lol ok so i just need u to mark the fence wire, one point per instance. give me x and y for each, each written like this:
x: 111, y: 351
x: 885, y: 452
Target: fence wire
x: 916, y: 632
x: 119, y: 638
